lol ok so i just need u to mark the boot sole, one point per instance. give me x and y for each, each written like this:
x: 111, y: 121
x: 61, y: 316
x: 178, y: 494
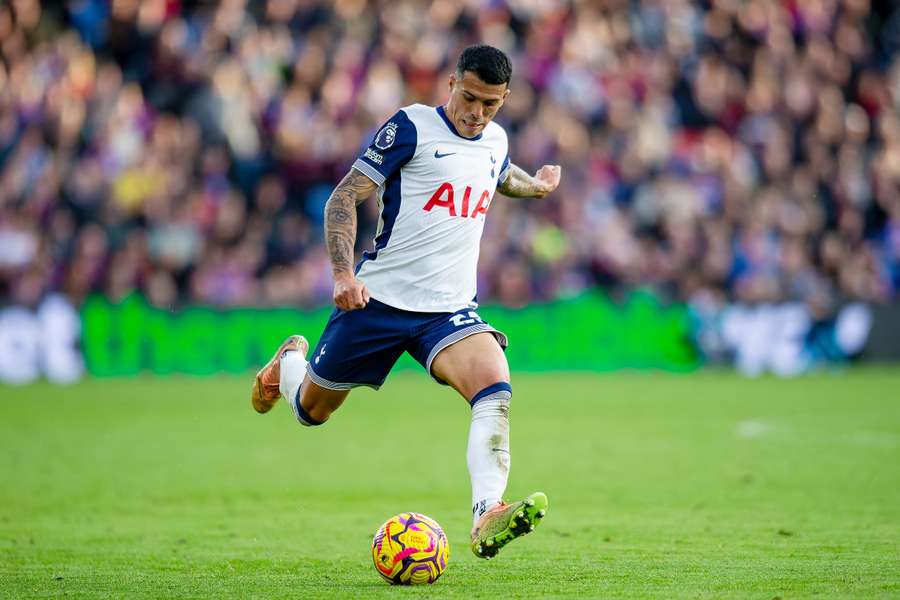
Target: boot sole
x: 522, y: 521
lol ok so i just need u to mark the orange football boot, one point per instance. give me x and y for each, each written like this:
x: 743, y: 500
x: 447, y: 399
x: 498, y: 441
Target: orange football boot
x: 266, y: 392
x: 505, y: 522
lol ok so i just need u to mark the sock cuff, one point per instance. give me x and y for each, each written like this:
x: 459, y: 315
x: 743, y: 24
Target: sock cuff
x: 482, y: 506
x: 501, y: 386
x: 301, y: 414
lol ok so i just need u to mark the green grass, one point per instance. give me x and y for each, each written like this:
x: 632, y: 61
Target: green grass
x: 660, y: 486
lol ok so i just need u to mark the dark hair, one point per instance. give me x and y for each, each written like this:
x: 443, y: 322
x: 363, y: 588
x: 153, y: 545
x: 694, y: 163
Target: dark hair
x: 488, y: 63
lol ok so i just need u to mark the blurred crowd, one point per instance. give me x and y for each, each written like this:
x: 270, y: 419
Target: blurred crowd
x: 744, y: 150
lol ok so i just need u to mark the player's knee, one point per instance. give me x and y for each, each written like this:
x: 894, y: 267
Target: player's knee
x: 318, y: 414
x: 483, y: 371
x: 485, y: 376
x: 309, y: 412
x: 500, y: 391
x: 309, y: 417
x: 315, y: 404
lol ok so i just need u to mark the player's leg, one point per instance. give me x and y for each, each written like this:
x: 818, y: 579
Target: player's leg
x: 311, y: 403
x: 284, y: 375
x: 476, y: 367
x: 315, y: 404
x: 356, y: 348
x: 472, y: 364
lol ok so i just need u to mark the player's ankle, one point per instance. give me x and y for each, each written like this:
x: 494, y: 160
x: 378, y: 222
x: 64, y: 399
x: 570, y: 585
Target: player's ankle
x: 482, y: 507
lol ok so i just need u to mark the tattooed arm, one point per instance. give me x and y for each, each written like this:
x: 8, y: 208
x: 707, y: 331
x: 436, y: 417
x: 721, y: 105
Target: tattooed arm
x: 340, y: 237
x: 519, y: 184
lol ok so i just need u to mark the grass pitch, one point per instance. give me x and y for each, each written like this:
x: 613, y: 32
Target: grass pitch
x: 660, y: 486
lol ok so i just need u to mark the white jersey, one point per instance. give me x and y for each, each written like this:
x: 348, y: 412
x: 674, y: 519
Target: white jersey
x: 434, y: 190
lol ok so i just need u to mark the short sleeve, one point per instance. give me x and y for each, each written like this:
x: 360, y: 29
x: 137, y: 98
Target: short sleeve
x: 393, y: 147
x: 504, y: 171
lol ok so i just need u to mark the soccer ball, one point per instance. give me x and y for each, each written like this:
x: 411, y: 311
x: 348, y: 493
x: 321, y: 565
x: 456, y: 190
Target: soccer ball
x: 410, y: 549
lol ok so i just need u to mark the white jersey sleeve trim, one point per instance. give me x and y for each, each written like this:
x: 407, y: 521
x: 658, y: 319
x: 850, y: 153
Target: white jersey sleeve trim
x: 504, y: 171
x: 368, y: 171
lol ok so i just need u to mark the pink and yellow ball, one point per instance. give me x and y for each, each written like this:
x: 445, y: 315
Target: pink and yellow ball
x: 410, y: 549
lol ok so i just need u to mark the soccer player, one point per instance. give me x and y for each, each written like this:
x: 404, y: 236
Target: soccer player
x: 435, y: 170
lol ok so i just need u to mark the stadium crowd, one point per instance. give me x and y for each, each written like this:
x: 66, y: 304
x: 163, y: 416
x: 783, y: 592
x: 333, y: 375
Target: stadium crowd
x: 719, y: 150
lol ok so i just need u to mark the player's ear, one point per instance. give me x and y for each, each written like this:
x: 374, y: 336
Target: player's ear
x: 452, y: 81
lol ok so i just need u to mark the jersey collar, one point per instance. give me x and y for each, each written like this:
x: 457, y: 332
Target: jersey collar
x: 452, y: 128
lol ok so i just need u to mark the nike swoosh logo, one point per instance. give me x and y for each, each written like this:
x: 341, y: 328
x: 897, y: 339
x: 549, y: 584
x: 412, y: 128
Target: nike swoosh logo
x: 439, y: 155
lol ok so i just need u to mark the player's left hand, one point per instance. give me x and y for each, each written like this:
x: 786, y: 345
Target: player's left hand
x: 546, y: 180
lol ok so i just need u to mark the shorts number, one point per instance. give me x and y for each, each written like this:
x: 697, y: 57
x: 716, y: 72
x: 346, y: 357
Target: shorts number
x: 460, y: 320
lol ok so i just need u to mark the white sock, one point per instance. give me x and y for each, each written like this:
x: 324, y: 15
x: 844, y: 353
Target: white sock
x: 293, y: 370
x: 488, y: 451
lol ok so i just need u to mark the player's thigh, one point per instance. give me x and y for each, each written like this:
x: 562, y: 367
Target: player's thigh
x: 472, y: 364
x: 320, y: 402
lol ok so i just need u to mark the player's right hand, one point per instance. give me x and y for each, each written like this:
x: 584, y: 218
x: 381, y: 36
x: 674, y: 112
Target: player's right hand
x: 350, y: 293
x: 546, y: 180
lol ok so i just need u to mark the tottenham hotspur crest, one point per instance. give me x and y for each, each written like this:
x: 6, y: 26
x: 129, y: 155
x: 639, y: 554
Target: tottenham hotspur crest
x: 386, y: 136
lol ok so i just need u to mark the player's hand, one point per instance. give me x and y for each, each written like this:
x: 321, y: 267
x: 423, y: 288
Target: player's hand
x: 546, y: 180
x: 350, y: 293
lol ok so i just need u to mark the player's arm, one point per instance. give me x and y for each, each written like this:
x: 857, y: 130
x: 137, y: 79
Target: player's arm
x: 340, y: 237
x: 519, y: 184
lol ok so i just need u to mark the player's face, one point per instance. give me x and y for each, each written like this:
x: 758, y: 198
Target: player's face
x: 473, y: 103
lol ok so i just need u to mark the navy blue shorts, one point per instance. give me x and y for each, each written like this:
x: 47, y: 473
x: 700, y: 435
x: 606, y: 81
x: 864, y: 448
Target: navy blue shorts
x: 359, y: 347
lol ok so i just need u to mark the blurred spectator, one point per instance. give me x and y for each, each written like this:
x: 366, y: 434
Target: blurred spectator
x: 711, y: 150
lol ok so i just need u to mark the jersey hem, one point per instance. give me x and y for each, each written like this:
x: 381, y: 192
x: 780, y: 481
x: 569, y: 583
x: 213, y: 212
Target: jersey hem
x: 436, y: 310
